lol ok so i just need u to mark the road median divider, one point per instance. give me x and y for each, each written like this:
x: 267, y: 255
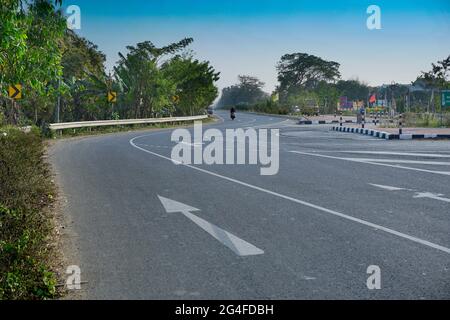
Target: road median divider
x: 389, y: 136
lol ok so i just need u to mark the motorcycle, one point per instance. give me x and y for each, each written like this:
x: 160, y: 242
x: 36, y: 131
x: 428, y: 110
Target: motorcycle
x: 233, y: 116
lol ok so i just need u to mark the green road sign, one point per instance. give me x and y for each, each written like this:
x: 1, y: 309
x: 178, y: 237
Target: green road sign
x: 445, y: 98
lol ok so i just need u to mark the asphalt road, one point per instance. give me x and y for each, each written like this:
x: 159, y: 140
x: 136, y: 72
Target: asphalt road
x: 340, y: 203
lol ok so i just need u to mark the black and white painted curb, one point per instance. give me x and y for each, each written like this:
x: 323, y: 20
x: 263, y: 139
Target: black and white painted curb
x: 324, y: 121
x: 390, y: 136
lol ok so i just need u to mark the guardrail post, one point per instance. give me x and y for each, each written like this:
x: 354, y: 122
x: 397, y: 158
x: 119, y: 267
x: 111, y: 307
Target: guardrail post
x: 363, y: 121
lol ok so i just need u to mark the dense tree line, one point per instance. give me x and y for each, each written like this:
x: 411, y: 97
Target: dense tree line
x: 57, y: 67
x: 310, y: 84
x: 248, y: 91
x: 304, y: 81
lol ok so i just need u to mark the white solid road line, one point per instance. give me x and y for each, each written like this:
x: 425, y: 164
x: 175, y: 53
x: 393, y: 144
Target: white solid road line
x: 268, y: 125
x: 431, y: 163
x: 240, y: 247
x: 389, y: 188
x: 307, y: 204
x: 445, y: 173
x: 406, y: 154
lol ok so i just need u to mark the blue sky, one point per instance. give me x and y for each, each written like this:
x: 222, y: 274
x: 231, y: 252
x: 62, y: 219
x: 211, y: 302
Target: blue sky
x: 249, y: 36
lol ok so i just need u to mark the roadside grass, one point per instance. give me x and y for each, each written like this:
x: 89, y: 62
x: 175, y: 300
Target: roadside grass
x: 420, y: 120
x: 26, y: 192
x: 428, y: 120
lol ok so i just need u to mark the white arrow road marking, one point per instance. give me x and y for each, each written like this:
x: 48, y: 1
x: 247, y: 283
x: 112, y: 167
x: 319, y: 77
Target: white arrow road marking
x: 172, y: 206
x: 304, y: 203
x: 386, y: 187
x: 446, y: 173
x: 419, y: 195
x: 431, y: 196
x: 237, y: 245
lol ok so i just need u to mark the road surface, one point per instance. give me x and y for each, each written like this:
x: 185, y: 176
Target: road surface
x: 150, y: 229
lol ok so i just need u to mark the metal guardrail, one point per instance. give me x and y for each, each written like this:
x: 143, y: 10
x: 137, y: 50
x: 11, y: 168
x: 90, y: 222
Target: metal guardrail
x: 104, y: 123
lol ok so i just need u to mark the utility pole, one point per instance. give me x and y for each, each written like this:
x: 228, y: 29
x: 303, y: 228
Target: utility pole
x: 58, y: 106
x: 407, y: 100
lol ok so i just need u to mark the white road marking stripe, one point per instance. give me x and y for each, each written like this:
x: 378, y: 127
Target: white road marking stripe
x: 307, y: 204
x: 195, y: 144
x: 407, y: 154
x: 389, y: 188
x: 434, y: 163
x: 268, y: 125
x: 446, y: 173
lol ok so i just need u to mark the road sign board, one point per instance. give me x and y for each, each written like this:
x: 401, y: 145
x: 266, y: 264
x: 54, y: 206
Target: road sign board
x: 445, y: 98
x: 112, y: 96
x: 176, y: 99
x: 15, y: 91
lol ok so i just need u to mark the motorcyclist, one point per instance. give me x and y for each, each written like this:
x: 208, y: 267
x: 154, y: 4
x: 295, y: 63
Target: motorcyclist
x: 233, y: 113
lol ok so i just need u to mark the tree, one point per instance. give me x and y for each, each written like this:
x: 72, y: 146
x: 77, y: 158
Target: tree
x: 327, y: 97
x: 436, y: 79
x: 154, y: 85
x: 247, y: 92
x: 303, y: 71
x: 194, y: 82
x: 55, y: 64
x: 353, y: 89
x: 147, y: 92
x: 84, y: 82
x: 29, y: 50
x: 80, y: 56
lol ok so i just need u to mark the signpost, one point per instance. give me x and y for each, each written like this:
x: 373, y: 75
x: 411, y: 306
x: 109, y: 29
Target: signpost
x: 112, y: 96
x: 15, y: 91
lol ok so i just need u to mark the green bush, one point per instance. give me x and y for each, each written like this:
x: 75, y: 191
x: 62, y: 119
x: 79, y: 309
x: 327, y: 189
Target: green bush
x: 25, y: 192
x: 308, y: 111
x: 349, y: 113
x: 267, y: 106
